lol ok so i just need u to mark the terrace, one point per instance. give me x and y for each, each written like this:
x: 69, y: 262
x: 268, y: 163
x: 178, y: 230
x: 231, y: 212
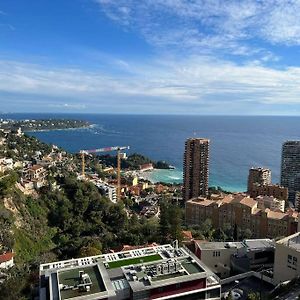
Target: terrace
x: 133, y: 261
x: 70, y: 285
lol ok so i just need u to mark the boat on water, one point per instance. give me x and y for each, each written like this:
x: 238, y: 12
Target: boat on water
x: 172, y: 167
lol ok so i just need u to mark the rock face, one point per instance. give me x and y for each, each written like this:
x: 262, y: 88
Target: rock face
x: 10, y: 205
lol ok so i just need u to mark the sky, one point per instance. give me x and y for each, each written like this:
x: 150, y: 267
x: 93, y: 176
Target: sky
x: 216, y: 57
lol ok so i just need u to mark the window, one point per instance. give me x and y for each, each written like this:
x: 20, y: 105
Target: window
x: 292, y: 262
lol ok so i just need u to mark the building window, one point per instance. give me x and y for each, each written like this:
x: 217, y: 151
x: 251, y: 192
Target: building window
x: 292, y: 262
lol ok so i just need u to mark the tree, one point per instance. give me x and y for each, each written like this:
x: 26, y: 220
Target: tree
x: 88, y: 251
x: 164, y: 221
x: 219, y: 235
x: 175, y: 221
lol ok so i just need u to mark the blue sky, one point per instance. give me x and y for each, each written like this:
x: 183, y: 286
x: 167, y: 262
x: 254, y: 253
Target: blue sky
x: 150, y: 56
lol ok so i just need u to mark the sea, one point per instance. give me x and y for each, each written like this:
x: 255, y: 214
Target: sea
x: 237, y: 142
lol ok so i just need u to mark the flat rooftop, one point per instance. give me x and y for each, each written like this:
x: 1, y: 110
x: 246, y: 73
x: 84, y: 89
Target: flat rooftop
x: 70, y: 278
x: 205, y: 245
x: 168, y: 271
x: 133, y: 261
x: 292, y: 241
x: 103, y: 276
x: 250, y: 244
x: 117, y: 259
x: 259, y: 244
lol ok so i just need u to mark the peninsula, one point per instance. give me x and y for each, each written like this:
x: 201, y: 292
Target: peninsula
x: 43, y: 124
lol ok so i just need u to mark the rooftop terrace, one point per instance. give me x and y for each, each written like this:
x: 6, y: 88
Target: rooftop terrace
x: 70, y: 280
x: 102, y: 276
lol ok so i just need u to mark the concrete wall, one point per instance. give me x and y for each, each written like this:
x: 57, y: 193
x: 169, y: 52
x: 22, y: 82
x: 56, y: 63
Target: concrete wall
x: 218, y: 260
x: 287, y: 263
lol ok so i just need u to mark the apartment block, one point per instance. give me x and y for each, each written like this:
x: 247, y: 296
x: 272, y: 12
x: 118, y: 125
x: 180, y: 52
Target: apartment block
x: 270, y: 202
x: 158, y: 272
x: 195, y: 168
x: 258, y: 176
x: 242, y: 211
x: 272, y: 190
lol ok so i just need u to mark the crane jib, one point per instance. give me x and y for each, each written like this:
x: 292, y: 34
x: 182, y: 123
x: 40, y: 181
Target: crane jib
x: 107, y: 149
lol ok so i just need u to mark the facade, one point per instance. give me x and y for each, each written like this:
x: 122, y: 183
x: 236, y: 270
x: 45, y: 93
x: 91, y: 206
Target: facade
x: 109, y: 191
x: 195, y: 168
x: 258, y: 176
x: 241, y: 211
x: 274, y: 190
x: 287, y: 258
x: 255, y: 255
x: 6, y: 260
x: 270, y: 202
x: 290, y: 168
x: 34, y: 175
x: 217, y: 255
x: 158, y: 272
x: 35, y: 172
x: 228, y: 258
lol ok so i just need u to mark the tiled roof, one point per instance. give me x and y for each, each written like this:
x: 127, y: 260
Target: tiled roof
x: 187, y: 234
x: 36, y: 167
x: 248, y: 201
x: 276, y: 215
x: 6, y: 257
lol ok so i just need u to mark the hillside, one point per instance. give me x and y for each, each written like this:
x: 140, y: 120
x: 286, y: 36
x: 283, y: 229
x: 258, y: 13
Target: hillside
x: 65, y: 217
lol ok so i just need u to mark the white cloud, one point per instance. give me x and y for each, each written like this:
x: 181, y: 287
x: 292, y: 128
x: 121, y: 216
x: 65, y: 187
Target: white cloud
x: 194, y: 82
x: 67, y: 106
x: 203, y: 25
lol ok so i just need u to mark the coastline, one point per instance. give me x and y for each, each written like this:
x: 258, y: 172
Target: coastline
x: 161, y: 175
x: 61, y: 129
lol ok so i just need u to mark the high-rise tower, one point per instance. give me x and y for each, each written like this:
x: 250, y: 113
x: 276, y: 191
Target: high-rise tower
x: 195, y: 168
x: 290, y: 167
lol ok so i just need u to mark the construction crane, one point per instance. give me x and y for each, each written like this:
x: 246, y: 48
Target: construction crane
x: 107, y: 149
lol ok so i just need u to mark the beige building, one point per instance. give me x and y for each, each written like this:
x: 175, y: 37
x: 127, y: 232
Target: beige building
x: 274, y: 190
x: 195, y: 168
x: 258, y: 176
x: 228, y: 258
x: 217, y: 255
x: 287, y: 258
x: 270, y: 202
x: 242, y: 211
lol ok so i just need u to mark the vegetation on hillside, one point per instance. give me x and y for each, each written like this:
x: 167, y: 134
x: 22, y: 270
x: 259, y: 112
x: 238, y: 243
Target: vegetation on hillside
x: 132, y: 162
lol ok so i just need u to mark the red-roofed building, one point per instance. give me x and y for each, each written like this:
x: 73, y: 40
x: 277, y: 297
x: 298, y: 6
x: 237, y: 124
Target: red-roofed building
x: 6, y: 260
x: 241, y: 211
x: 187, y: 235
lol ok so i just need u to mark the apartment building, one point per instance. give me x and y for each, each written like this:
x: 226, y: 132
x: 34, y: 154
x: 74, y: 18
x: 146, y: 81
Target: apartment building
x: 290, y: 168
x: 195, y: 168
x: 242, y: 211
x: 270, y: 202
x: 274, y: 190
x: 258, y: 176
